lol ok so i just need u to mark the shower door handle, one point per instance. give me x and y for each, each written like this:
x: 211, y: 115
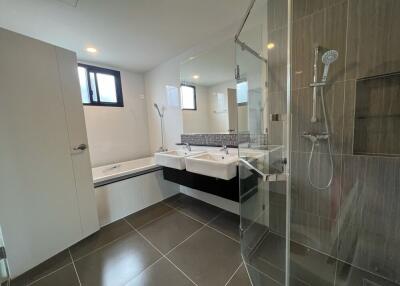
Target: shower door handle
x: 266, y: 177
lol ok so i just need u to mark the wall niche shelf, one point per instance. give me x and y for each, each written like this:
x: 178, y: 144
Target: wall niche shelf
x: 377, y: 115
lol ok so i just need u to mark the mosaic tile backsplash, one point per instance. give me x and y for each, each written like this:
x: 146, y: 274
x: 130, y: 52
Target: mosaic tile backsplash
x: 209, y: 139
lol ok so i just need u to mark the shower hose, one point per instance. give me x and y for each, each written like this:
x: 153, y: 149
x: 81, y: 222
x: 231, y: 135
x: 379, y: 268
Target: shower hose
x: 329, y: 150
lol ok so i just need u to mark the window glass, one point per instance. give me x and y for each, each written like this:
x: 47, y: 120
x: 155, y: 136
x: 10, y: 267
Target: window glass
x: 100, y: 86
x: 82, y: 73
x: 93, y: 86
x: 188, y: 97
x: 107, y: 88
x: 241, y: 92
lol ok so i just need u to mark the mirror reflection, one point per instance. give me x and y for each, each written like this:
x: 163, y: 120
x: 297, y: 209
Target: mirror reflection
x: 209, y: 92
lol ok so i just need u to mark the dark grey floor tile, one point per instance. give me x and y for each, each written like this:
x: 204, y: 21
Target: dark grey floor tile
x: 148, y: 215
x: 241, y: 278
x: 197, y: 209
x: 312, y: 267
x: 208, y: 257
x: 173, y: 201
x: 161, y: 273
x: 352, y: 276
x: 269, y: 258
x: 118, y: 262
x: 105, y: 235
x: 259, y: 278
x: 228, y: 223
x: 170, y: 230
x: 43, y: 269
x: 64, y: 277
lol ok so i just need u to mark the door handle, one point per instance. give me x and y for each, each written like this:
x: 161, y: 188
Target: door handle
x: 80, y: 147
x: 266, y: 177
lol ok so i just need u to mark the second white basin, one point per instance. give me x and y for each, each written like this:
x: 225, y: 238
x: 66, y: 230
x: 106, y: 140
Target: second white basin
x: 217, y: 165
x: 174, y: 158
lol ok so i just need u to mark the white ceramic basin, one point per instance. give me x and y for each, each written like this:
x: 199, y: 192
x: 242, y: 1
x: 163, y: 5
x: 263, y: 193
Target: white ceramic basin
x: 217, y: 165
x: 174, y: 158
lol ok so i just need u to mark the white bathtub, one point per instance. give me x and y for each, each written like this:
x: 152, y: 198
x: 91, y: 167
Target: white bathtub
x: 127, y: 187
x: 119, y: 171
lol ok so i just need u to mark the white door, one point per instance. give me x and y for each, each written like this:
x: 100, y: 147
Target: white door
x: 39, y: 209
x: 77, y: 136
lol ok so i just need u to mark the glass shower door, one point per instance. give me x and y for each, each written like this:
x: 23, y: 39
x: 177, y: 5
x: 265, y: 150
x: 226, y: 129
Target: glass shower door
x: 262, y: 125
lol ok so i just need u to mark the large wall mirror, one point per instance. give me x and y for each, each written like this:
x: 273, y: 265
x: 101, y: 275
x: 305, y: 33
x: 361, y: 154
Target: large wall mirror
x: 209, y: 94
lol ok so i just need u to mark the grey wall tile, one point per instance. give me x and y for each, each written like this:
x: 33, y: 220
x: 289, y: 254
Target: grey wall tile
x: 353, y: 276
x: 322, y: 203
x: 348, y: 117
x: 369, y: 211
x: 302, y: 8
x: 277, y: 61
x: 315, y: 212
x: 377, y: 116
x: 327, y: 29
x: 334, y: 100
x: 373, y: 41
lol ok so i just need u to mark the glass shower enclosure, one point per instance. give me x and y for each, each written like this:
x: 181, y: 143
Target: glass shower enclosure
x: 318, y: 89
x: 261, y: 64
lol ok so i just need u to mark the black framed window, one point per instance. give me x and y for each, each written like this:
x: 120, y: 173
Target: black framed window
x: 188, y: 97
x: 100, y: 86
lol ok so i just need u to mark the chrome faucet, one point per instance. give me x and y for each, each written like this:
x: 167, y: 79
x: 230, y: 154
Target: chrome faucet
x: 225, y: 149
x: 187, y: 145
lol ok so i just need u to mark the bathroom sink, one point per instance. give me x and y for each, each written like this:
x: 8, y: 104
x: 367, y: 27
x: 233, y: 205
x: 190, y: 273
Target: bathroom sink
x: 217, y: 165
x: 175, y: 158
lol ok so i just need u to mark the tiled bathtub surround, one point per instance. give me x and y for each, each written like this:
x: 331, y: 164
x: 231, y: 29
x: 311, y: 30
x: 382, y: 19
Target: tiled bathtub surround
x: 214, y: 139
x: 355, y: 221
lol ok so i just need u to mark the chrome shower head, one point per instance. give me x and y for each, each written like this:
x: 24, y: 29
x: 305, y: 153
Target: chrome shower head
x: 328, y: 58
x: 158, y: 110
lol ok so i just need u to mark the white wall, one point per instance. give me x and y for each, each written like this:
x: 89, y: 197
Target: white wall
x: 119, y: 134
x: 197, y: 121
x: 219, y: 119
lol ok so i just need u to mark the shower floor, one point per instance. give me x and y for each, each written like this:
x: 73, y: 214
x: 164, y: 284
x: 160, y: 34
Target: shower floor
x: 308, y: 267
x: 180, y: 241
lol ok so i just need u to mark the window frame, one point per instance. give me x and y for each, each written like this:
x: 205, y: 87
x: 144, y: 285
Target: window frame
x: 118, y: 86
x: 194, y: 96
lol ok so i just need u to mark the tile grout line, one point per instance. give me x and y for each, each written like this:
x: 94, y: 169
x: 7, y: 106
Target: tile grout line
x: 73, y: 264
x: 180, y: 271
x: 153, y: 220
x: 103, y: 246
x: 48, y: 274
x: 220, y: 232
x: 148, y: 267
x: 247, y: 271
x: 237, y: 269
x: 164, y: 255
x: 208, y: 223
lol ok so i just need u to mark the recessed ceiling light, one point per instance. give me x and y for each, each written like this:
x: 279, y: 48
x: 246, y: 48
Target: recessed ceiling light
x: 91, y: 50
x: 191, y: 58
x: 196, y: 76
x: 270, y: 46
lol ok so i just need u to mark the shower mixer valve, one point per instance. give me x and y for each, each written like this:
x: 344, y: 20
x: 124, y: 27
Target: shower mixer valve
x: 316, y: 138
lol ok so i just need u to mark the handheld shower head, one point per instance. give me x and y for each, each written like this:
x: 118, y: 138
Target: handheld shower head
x: 328, y: 58
x: 158, y: 110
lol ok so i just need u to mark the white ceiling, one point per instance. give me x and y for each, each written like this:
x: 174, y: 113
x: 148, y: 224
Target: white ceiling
x: 132, y: 34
